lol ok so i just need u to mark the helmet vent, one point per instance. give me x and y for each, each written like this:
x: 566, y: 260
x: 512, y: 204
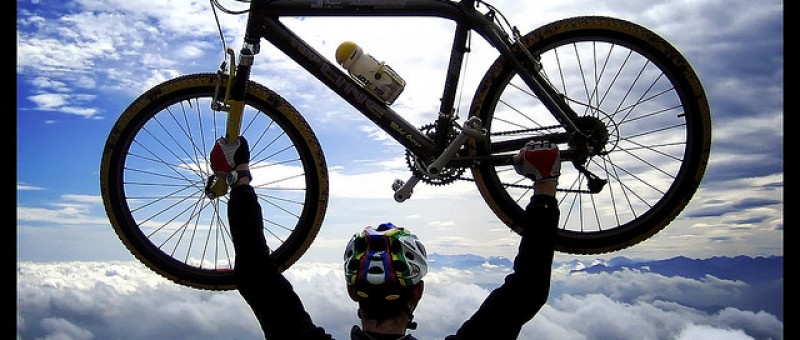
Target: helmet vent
x: 352, y: 266
x: 400, y: 266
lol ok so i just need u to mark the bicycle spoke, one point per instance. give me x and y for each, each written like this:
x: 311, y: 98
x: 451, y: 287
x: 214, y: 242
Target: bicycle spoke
x: 636, y: 165
x: 171, y: 151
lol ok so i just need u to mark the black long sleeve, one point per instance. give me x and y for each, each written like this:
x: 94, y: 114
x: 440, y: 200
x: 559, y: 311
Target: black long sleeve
x: 272, y: 298
x: 282, y: 315
x: 525, y: 291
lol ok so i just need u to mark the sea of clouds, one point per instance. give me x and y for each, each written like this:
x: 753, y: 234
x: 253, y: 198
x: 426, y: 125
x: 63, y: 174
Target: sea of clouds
x: 125, y: 300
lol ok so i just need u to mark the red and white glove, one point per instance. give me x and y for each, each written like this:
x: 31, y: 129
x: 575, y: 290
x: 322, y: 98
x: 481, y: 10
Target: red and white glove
x: 539, y: 161
x: 225, y: 157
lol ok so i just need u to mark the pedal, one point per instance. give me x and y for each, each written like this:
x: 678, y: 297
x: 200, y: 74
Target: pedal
x: 403, y: 190
x: 398, y: 183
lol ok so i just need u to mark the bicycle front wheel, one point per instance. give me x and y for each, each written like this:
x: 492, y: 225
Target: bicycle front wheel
x: 620, y: 77
x: 155, y: 167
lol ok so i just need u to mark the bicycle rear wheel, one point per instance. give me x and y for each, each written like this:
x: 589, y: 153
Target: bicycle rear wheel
x: 637, y: 87
x: 155, y: 166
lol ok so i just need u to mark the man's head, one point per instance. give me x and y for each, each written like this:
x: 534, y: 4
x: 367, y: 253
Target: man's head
x: 383, y: 268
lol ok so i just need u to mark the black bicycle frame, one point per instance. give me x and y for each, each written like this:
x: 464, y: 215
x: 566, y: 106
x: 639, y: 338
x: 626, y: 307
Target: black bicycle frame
x: 263, y: 22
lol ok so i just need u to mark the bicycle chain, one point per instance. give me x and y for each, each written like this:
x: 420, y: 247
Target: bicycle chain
x: 530, y: 186
x: 505, y: 133
x: 512, y: 132
x: 447, y: 179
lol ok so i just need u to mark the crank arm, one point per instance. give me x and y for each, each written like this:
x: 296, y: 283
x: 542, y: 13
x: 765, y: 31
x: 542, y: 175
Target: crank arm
x: 403, y: 190
x: 472, y: 127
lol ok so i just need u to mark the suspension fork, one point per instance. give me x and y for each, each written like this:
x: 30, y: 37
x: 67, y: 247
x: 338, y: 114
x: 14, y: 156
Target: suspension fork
x: 233, y: 103
x: 237, y: 92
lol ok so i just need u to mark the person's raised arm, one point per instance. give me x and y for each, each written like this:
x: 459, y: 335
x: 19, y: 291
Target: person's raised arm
x: 272, y: 298
x: 525, y: 291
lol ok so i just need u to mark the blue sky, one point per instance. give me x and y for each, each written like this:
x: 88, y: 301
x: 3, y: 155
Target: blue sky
x: 80, y: 63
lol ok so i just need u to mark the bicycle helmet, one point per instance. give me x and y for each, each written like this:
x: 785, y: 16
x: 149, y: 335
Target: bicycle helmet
x: 384, y: 262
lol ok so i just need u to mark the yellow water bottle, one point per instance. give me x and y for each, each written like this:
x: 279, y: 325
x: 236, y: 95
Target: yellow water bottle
x: 377, y: 78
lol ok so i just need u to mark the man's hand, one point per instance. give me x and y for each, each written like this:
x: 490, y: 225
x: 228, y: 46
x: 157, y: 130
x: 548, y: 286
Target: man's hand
x: 226, y: 156
x: 539, y: 161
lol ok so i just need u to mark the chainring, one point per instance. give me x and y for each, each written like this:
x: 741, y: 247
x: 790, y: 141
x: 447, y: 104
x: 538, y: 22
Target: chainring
x: 445, y: 176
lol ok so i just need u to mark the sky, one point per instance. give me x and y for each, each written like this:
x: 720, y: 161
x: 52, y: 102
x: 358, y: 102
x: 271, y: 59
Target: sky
x: 80, y: 63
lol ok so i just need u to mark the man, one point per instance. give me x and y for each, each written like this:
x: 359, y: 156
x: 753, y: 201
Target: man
x: 384, y: 266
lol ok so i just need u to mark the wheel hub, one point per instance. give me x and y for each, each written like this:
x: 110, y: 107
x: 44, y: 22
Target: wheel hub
x: 592, y: 140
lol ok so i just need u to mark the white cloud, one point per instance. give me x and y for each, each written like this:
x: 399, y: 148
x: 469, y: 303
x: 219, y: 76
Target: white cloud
x: 43, y: 82
x: 99, y: 299
x: 58, y: 328
x: 63, y: 103
x: 47, y: 101
x: 702, y: 332
x: 102, y: 298
x: 71, y: 209
x: 633, y: 286
x: 69, y: 214
x: 23, y: 186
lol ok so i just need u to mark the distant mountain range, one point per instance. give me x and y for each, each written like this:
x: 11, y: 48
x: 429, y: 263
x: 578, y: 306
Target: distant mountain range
x: 466, y: 261
x: 743, y: 268
x: 763, y: 275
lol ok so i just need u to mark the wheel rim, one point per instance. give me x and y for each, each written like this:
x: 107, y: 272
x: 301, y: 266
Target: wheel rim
x: 171, y: 224
x: 650, y: 146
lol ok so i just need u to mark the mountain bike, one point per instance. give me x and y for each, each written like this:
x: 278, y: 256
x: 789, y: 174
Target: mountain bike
x: 626, y: 109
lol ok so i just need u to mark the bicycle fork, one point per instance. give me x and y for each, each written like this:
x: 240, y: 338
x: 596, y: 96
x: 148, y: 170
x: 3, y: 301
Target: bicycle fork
x: 231, y: 102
